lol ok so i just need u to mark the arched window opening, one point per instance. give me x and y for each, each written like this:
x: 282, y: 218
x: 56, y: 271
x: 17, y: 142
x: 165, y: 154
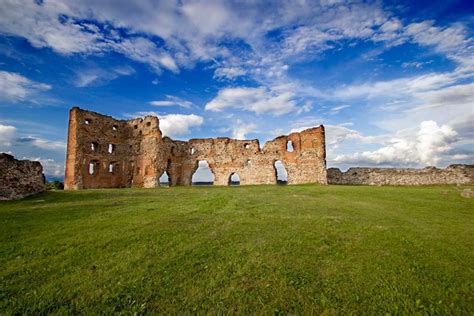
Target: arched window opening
x: 165, y: 179
x: 113, y: 167
x: 193, y: 151
x: 111, y: 148
x: 203, y: 174
x: 289, y: 146
x: 234, y: 179
x: 87, y: 121
x: 280, y: 171
x: 248, y: 162
x: 115, y: 127
x: 94, y: 167
x: 94, y: 146
x: 247, y: 146
x: 135, y: 126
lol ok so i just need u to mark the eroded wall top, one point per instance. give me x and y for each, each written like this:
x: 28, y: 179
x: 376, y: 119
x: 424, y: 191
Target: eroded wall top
x: 453, y: 174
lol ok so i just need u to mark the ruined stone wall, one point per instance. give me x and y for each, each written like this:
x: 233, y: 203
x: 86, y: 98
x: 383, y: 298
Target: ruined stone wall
x: 141, y: 155
x: 103, y: 152
x: 19, y: 178
x: 454, y: 174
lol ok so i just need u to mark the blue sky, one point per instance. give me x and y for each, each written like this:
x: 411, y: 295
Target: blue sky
x: 392, y: 81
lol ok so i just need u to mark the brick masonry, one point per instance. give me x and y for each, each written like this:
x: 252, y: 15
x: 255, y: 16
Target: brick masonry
x: 103, y: 152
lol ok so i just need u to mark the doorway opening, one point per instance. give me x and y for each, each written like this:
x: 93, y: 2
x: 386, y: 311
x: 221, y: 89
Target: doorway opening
x: 234, y: 179
x: 280, y: 172
x: 165, y: 179
x: 203, y: 174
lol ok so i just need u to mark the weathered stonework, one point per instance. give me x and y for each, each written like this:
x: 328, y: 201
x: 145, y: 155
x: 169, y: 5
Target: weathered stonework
x: 454, y: 174
x: 19, y: 178
x: 139, y: 155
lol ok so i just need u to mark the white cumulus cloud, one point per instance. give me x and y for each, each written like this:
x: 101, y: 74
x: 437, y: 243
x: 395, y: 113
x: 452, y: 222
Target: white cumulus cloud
x: 7, y: 133
x: 173, y: 125
x: 426, y: 148
x: 241, y: 129
x: 179, y: 124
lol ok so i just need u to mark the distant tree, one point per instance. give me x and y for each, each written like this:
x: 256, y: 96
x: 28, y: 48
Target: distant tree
x: 55, y: 185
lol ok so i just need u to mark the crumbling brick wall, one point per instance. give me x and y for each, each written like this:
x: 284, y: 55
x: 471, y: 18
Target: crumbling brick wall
x: 103, y: 152
x: 454, y: 174
x: 19, y: 178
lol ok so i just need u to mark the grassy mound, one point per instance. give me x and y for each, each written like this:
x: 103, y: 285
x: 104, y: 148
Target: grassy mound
x: 256, y: 249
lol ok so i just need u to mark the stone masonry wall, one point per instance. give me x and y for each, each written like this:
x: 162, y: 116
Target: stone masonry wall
x: 19, y: 178
x: 103, y: 152
x: 454, y: 174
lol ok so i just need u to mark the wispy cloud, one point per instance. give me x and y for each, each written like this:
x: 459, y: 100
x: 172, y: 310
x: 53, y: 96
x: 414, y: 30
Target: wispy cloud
x: 258, y: 100
x: 265, y: 59
x: 229, y: 73
x: 41, y: 143
x: 172, y: 101
x: 336, y: 109
x: 15, y: 87
x: 96, y: 76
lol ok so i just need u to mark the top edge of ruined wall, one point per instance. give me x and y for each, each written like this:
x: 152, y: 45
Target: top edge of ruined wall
x: 222, y: 139
x: 307, y: 130
x: 8, y: 157
x: 407, y: 169
x: 453, y: 174
x: 320, y: 127
x: 255, y: 140
x: 76, y: 108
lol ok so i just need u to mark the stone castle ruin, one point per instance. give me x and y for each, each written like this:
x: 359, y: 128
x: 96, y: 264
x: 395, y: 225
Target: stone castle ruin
x: 103, y: 152
x: 19, y: 178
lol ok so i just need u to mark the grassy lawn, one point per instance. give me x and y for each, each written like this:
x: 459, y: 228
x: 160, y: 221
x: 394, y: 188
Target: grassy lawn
x: 257, y: 249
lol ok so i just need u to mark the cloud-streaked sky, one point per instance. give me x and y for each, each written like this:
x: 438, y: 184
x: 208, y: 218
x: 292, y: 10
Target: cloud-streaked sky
x: 392, y: 81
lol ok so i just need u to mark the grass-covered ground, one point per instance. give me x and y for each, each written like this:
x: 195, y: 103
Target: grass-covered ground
x: 257, y: 249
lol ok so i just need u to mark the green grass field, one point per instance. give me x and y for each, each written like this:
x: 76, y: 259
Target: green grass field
x: 257, y: 249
